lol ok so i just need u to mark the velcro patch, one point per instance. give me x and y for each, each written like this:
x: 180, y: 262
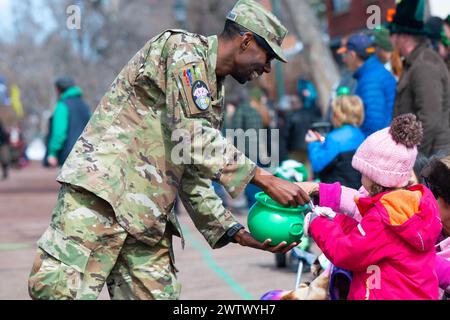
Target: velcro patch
x: 231, y: 16
x: 195, y: 90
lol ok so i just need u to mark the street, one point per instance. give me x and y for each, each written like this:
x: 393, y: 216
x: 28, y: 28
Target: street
x: 230, y: 273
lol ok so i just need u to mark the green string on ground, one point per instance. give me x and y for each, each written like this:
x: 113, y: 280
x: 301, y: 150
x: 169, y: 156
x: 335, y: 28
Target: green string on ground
x: 14, y: 246
x: 244, y: 294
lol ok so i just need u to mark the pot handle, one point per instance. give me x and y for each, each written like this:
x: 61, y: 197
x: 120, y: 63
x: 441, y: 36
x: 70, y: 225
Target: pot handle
x: 298, y: 233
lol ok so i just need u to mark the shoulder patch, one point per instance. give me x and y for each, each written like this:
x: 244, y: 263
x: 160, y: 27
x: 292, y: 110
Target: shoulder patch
x: 201, y: 95
x: 194, y: 88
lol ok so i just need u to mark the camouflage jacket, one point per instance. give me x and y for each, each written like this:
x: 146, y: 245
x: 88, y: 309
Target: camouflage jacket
x: 166, y: 96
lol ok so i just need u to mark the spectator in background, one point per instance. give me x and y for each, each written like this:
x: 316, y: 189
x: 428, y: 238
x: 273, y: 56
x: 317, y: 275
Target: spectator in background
x: 376, y: 86
x: 305, y: 112
x: 331, y: 157
x: 251, y: 116
x: 439, y: 40
x: 424, y: 87
x: 17, y: 147
x: 383, y: 46
x: 308, y: 95
x: 447, y: 34
x: 4, y: 152
x: 68, y: 121
x: 437, y: 178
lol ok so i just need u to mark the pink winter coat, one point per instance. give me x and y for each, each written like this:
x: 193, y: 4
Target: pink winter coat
x: 391, y: 250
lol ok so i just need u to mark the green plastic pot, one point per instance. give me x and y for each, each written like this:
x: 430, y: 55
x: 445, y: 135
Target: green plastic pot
x: 268, y: 219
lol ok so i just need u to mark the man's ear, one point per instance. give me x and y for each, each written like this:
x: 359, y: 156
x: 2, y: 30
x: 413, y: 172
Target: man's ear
x: 246, y: 40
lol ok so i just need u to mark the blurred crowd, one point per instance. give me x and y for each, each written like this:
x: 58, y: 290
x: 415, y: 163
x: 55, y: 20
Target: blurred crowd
x: 385, y: 75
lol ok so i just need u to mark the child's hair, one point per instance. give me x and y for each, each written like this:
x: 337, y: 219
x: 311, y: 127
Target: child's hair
x: 348, y: 110
x: 376, y: 189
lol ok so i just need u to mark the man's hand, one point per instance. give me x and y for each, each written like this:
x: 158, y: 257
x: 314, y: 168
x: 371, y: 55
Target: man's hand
x: 52, y: 161
x: 245, y: 239
x: 282, y: 191
x: 311, y: 188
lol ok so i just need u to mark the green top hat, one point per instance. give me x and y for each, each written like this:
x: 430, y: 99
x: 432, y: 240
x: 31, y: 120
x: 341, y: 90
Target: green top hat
x: 409, y: 18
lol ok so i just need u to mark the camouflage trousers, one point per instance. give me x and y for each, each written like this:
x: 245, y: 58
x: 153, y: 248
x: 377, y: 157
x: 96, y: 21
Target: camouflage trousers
x: 85, y: 247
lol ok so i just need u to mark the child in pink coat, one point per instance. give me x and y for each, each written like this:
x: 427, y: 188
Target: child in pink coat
x: 386, y: 235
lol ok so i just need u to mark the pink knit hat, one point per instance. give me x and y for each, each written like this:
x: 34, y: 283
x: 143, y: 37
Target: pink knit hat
x: 387, y: 157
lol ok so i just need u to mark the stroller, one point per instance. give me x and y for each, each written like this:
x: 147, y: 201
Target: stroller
x: 331, y: 283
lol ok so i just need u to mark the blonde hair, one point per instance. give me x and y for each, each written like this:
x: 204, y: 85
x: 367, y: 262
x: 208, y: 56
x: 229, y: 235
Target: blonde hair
x: 348, y: 110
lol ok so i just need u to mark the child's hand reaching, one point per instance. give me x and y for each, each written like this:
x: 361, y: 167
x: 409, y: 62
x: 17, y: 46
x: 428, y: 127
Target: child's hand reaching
x: 308, y: 220
x: 317, y: 212
x: 325, y: 212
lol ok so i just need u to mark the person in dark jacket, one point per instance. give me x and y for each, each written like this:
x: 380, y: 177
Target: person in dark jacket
x: 68, y: 121
x: 424, y: 87
x: 376, y: 85
x: 4, y: 151
x: 447, y: 35
x: 331, y: 157
x: 439, y: 40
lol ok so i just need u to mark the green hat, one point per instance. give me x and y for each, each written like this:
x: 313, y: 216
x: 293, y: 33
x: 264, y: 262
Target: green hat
x: 256, y: 93
x: 257, y: 19
x: 343, y: 91
x: 409, y: 18
x: 436, y: 30
x: 382, y: 39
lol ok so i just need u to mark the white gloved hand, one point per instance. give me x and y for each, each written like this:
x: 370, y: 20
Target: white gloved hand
x: 316, y: 212
x: 325, y: 212
x: 307, y: 222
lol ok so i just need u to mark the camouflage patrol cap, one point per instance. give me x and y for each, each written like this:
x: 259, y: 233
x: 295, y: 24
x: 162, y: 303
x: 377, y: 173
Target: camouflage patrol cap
x: 257, y: 19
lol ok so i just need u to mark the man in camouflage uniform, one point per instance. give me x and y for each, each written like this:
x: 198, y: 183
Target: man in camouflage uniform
x: 114, y: 219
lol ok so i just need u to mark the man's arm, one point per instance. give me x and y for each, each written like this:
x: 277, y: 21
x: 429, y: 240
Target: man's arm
x: 217, y: 224
x: 205, y: 208
x: 210, y: 153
